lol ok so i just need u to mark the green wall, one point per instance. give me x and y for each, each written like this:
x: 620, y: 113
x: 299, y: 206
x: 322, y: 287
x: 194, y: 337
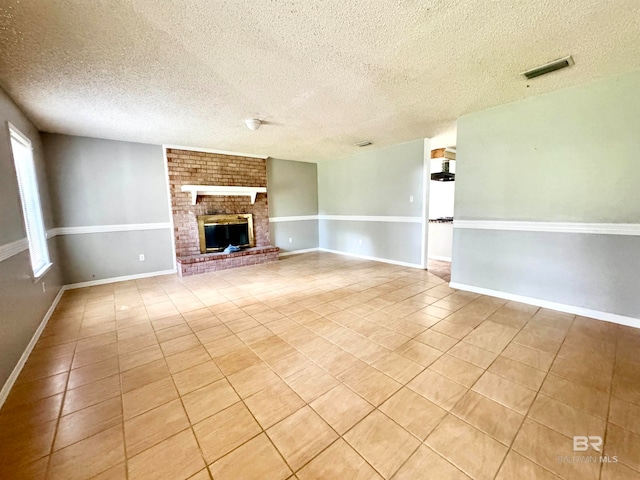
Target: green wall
x: 568, y: 156
x: 374, y: 183
x: 378, y: 181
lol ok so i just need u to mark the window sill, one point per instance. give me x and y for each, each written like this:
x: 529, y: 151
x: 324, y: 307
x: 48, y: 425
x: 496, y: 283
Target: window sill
x: 37, y: 276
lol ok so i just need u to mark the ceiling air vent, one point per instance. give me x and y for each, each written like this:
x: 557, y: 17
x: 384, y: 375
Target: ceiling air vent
x: 366, y: 143
x: 549, y: 67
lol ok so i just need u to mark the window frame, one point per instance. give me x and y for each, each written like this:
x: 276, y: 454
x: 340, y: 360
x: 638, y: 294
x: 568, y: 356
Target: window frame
x: 32, y: 217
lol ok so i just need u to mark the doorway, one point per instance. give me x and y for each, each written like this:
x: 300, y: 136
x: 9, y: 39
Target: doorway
x: 441, y: 204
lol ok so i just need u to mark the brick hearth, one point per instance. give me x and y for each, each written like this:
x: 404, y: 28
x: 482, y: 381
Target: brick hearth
x: 188, y: 167
x: 211, y: 262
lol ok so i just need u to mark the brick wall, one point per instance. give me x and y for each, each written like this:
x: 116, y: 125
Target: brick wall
x: 199, y: 168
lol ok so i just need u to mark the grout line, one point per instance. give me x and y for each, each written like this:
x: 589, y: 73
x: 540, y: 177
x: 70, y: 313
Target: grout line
x: 375, y: 408
x: 64, y: 397
x: 124, y: 438
x: 184, y: 409
x: 97, y: 306
x: 526, y: 415
x: 315, y: 291
x: 606, y: 425
x: 469, y: 388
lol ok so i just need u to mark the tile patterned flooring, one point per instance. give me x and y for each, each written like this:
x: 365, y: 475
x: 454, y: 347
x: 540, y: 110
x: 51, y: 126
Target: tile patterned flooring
x: 440, y: 269
x: 318, y: 367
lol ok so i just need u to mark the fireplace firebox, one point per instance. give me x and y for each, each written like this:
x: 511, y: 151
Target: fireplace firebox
x: 218, y: 231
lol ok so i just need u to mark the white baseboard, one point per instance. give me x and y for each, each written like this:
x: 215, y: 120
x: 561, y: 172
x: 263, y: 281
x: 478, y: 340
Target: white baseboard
x: 297, y: 252
x: 93, y: 283
x: 375, y: 259
x: 560, y: 307
x: 438, y: 257
x: 6, y: 388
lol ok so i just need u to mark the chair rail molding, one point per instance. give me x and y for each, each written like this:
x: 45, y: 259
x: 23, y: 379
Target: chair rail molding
x: 554, y: 227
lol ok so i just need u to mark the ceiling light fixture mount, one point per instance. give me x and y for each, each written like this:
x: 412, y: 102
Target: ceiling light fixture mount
x: 253, y: 123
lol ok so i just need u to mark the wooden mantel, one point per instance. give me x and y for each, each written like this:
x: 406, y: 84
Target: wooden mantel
x: 219, y: 190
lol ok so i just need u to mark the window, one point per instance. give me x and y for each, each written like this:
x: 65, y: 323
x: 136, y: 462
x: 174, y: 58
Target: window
x: 31, y: 210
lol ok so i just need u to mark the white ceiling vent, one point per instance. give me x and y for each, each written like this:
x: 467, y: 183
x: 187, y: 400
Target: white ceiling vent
x: 549, y: 67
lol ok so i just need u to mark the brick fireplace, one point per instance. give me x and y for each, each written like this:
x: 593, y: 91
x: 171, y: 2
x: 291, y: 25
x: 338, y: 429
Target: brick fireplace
x: 187, y: 167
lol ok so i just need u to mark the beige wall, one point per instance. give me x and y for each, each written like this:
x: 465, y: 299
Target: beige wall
x: 292, y: 187
x: 293, y: 192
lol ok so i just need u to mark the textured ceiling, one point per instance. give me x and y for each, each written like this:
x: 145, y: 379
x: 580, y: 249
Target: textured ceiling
x: 322, y: 74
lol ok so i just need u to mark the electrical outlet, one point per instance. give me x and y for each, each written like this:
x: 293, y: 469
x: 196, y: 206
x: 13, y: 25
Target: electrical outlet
x: 44, y: 288
x: 141, y: 257
x: 290, y: 239
x: 410, y: 198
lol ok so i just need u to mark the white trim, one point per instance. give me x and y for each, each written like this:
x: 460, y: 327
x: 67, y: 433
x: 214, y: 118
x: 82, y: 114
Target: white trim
x: 137, y: 276
x: 348, y: 218
x: 38, y: 274
x: 371, y: 218
x: 219, y: 152
x: 19, y: 136
x: 297, y: 252
x: 170, y: 207
x: 426, y: 168
x: 222, y: 190
x: 375, y: 259
x: 8, y: 250
x: 29, y: 190
x: 128, y: 227
x: 556, y: 227
x: 6, y: 388
x: 561, y: 307
x: 298, y: 218
x: 438, y: 257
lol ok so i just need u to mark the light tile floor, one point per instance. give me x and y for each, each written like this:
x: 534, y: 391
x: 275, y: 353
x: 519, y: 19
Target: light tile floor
x: 324, y: 367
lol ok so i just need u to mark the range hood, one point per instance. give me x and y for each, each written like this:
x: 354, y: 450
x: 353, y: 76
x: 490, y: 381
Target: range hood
x: 445, y: 175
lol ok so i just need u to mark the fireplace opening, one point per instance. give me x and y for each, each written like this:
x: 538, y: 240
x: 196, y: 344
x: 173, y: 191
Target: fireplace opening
x: 218, y: 231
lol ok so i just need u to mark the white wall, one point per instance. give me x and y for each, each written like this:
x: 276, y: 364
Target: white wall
x: 440, y: 241
x: 441, y: 202
x: 441, y: 194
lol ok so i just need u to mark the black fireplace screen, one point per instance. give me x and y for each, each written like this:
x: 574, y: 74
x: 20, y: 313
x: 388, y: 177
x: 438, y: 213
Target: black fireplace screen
x: 218, y: 237
x: 217, y: 232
